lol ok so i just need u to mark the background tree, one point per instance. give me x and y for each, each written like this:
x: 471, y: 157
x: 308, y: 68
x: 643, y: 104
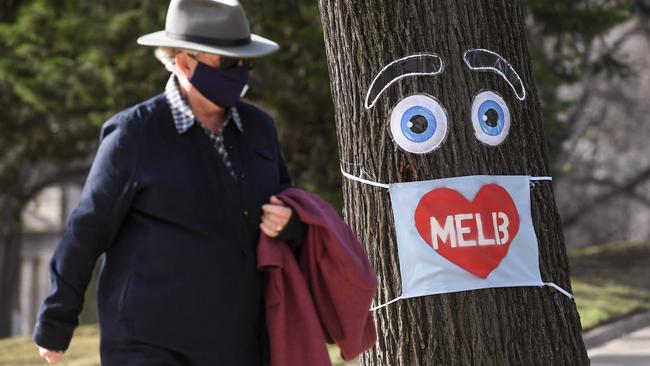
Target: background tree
x: 567, y: 41
x: 602, y: 155
x: 525, y: 325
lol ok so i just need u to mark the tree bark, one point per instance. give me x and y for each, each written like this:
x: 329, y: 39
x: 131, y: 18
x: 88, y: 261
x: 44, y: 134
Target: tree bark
x: 501, y: 326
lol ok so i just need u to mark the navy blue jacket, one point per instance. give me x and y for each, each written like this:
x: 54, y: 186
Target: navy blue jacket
x: 179, y: 237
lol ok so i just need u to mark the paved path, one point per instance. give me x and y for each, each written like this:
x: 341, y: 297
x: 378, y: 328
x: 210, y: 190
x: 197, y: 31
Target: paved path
x: 630, y: 349
x: 628, y: 343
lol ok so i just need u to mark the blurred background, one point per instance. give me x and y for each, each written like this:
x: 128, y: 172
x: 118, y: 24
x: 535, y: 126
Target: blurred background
x: 66, y: 66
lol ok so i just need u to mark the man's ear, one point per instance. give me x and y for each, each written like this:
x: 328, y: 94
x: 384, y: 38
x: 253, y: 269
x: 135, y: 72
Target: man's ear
x: 185, y: 64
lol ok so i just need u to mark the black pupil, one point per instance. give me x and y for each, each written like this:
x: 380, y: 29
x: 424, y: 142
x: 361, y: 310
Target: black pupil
x: 492, y: 117
x: 419, y: 124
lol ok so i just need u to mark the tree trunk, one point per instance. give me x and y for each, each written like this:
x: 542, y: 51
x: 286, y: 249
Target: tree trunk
x: 10, y: 231
x: 500, y: 326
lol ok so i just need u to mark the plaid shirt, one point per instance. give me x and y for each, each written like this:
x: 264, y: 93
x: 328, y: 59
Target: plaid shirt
x: 184, y: 119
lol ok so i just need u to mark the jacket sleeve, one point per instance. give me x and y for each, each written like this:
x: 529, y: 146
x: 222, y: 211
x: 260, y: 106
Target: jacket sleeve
x: 294, y: 231
x: 91, y: 227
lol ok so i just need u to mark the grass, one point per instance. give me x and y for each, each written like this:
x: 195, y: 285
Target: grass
x: 83, y: 351
x: 609, y: 282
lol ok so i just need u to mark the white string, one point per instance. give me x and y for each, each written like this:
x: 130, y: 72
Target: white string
x: 359, y: 179
x: 550, y: 284
x: 382, y: 185
x: 388, y: 303
x: 563, y: 291
x: 534, y: 181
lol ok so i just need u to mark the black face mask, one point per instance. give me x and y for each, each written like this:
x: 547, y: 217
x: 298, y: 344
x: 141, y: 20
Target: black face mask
x: 221, y: 86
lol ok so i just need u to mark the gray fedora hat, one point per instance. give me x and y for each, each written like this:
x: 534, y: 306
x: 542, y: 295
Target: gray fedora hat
x: 211, y: 26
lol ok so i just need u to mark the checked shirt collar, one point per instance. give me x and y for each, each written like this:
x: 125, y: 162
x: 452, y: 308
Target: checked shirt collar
x: 184, y: 119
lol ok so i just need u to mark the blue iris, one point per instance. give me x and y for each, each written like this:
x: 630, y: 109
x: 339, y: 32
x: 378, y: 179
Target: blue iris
x: 491, y: 117
x: 418, y: 124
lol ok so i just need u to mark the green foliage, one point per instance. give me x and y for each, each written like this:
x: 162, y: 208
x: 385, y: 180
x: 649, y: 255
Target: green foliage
x: 65, y: 66
x: 582, y: 19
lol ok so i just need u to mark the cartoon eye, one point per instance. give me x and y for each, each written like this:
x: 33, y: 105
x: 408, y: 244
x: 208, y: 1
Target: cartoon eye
x: 490, y: 118
x: 418, y: 124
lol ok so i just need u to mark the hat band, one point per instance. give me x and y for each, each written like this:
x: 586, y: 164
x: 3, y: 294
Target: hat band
x: 210, y: 41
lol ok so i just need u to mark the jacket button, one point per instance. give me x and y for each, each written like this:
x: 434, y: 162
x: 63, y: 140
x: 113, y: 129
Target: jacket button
x: 229, y: 147
x: 246, y: 213
x: 242, y: 175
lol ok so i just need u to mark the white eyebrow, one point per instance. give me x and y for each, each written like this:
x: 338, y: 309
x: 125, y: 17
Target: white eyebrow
x: 479, y: 59
x: 418, y: 64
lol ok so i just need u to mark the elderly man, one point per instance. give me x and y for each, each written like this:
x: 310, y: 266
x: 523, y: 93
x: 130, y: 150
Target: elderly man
x: 176, y: 197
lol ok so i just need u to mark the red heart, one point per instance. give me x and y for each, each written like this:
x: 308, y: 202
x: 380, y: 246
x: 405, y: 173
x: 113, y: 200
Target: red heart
x: 464, y: 231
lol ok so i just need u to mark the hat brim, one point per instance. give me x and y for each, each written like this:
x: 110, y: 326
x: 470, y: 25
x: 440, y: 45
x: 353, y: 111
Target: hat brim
x: 258, y: 47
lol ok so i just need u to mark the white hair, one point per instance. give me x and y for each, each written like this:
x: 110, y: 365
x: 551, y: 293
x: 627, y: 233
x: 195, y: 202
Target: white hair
x: 167, y: 55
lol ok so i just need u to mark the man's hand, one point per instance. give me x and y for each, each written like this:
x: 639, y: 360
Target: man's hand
x: 275, y: 217
x: 50, y: 356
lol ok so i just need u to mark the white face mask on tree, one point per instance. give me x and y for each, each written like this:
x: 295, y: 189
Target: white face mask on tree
x: 464, y: 233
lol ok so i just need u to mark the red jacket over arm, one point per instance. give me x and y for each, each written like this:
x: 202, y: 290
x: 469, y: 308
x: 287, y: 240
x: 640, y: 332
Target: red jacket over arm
x: 326, y: 297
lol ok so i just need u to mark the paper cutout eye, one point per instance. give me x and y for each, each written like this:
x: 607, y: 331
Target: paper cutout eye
x: 490, y: 118
x: 418, y: 124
